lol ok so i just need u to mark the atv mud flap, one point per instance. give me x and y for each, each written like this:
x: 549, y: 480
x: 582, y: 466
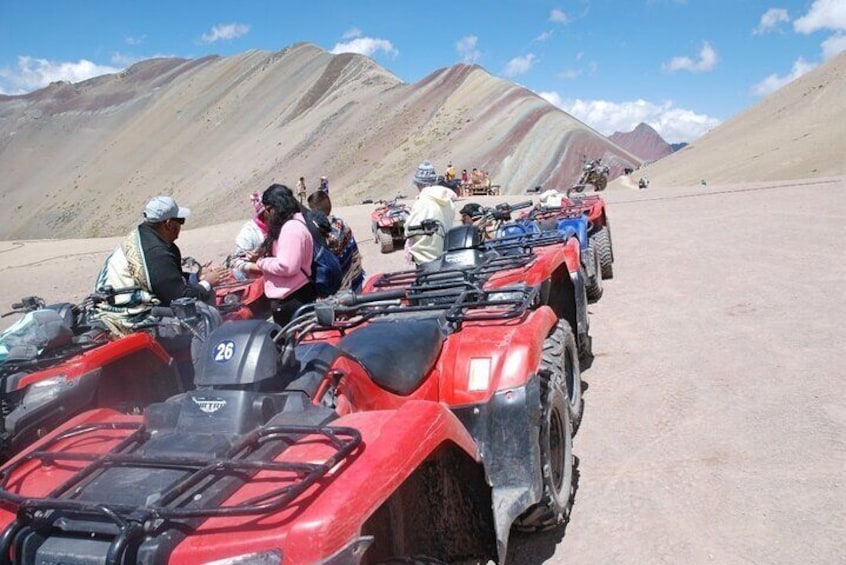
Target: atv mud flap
x: 507, y: 432
x: 582, y: 321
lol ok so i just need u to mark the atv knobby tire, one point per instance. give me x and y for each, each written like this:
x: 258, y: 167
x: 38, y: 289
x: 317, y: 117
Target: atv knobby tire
x: 602, y: 237
x: 385, y: 240
x: 601, y: 183
x: 560, y: 352
x: 593, y: 288
x: 556, y: 436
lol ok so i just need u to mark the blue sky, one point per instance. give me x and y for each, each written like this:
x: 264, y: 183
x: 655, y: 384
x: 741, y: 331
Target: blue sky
x: 682, y: 66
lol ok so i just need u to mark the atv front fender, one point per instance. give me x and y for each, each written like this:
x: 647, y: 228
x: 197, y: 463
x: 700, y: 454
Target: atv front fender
x: 507, y: 431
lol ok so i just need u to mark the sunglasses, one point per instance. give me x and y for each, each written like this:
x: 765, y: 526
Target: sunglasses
x: 179, y: 221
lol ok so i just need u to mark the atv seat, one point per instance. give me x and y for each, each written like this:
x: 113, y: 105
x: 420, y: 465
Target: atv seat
x: 398, y: 353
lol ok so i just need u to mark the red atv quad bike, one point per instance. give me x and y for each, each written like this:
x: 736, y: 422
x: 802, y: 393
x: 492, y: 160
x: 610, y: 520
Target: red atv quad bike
x: 58, y: 363
x: 242, y: 299
x: 369, y: 429
x: 236, y: 299
x: 550, y: 261
x: 388, y: 224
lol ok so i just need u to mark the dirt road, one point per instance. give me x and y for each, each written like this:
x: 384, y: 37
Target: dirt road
x: 715, y: 418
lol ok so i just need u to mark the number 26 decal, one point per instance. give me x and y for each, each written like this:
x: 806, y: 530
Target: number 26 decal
x: 224, y: 351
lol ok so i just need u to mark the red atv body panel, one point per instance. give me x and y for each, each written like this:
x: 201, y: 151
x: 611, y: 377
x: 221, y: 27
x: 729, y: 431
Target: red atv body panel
x: 242, y: 300
x: 505, y: 355
x: 323, y: 520
x: 100, y: 356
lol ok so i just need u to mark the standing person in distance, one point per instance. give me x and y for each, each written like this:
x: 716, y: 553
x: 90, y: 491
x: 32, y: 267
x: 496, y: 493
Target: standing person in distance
x: 433, y: 203
x: 301, y: 190
x: 324, y: 185
x: 286, y: 254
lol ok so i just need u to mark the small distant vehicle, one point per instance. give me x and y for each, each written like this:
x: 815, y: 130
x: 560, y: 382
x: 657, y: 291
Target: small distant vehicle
x: 388, y: 224
x: 593, y: 173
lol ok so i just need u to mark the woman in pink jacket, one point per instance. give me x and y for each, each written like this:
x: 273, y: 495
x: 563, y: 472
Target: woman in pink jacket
x: 286, y: 254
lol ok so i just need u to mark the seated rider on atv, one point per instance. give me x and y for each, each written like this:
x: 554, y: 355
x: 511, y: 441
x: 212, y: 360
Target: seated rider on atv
x: 149, y: 259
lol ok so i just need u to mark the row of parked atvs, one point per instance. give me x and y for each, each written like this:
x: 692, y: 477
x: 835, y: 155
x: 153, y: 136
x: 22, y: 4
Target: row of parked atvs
x: 418, y: 421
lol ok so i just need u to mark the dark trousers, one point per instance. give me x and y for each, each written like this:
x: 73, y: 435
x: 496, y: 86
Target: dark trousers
x: 283, y: 308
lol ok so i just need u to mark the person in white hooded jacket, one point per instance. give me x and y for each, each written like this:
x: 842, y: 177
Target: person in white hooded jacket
x: 433, y: 203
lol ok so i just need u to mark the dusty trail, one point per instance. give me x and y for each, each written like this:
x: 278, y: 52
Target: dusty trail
x: 715, y: 425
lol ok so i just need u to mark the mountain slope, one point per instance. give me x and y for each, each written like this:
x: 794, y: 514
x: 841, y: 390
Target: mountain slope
x: 81, y: 159
x: 796, y: 132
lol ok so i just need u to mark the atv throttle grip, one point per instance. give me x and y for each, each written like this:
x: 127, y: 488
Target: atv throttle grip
x: 521, y: 205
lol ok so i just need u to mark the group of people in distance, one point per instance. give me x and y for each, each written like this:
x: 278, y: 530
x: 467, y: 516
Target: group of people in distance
x: 276, y: 244
x: 475, y: 178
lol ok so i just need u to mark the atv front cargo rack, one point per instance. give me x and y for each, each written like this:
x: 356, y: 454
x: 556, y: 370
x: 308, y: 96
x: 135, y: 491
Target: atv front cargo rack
x: 175, y: 501
x: 420, y: 280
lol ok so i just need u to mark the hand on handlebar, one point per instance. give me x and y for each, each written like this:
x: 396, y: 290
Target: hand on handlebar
x: 212, y: 275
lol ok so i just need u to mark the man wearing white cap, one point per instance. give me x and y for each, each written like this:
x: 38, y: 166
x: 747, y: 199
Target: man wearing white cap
x: 149, y: 258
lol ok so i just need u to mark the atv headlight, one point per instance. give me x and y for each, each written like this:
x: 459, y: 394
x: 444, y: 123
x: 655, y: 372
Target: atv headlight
x: 479, y: 373
x: 45, y: 391
x: 268, y: 557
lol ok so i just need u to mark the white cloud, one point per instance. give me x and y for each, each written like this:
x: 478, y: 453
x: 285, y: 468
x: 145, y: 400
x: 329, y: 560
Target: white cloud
x: 569, y: 74
x: 558, y: 16
x: 367, y: 46
x: 225, y: 31
x: 135, y: 39
x: 352, y: 33
x: 520, y: 65
x: 770, y: 20
x: 823, y: 14
x: 673, y: 124
x: 32, y: 74
x: 544, y: 36
x: 833, y: 45
x: 707, y: 61
x: 774, y: 82
x: 466, y: 48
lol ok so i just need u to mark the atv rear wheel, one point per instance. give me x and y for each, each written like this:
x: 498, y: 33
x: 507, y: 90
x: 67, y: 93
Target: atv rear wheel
x: 601, y: 183
x: 593, y: 288
x: 602, y: 237
x: 556, y: 450
x: 385, y: 240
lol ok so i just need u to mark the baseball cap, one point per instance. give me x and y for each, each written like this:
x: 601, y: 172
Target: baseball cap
x: 163, y: 208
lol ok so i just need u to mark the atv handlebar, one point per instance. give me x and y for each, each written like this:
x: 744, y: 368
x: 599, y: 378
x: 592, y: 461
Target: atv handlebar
x: 27, y: 304
x: 426, y: 227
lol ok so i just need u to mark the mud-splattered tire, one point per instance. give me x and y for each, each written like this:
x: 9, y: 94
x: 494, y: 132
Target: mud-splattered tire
x: 385, y: 241
x: 594, y: 288
x: 556, y: 450
x: 602, y: 238
x: 561, y: 355
x: 601, y: 183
